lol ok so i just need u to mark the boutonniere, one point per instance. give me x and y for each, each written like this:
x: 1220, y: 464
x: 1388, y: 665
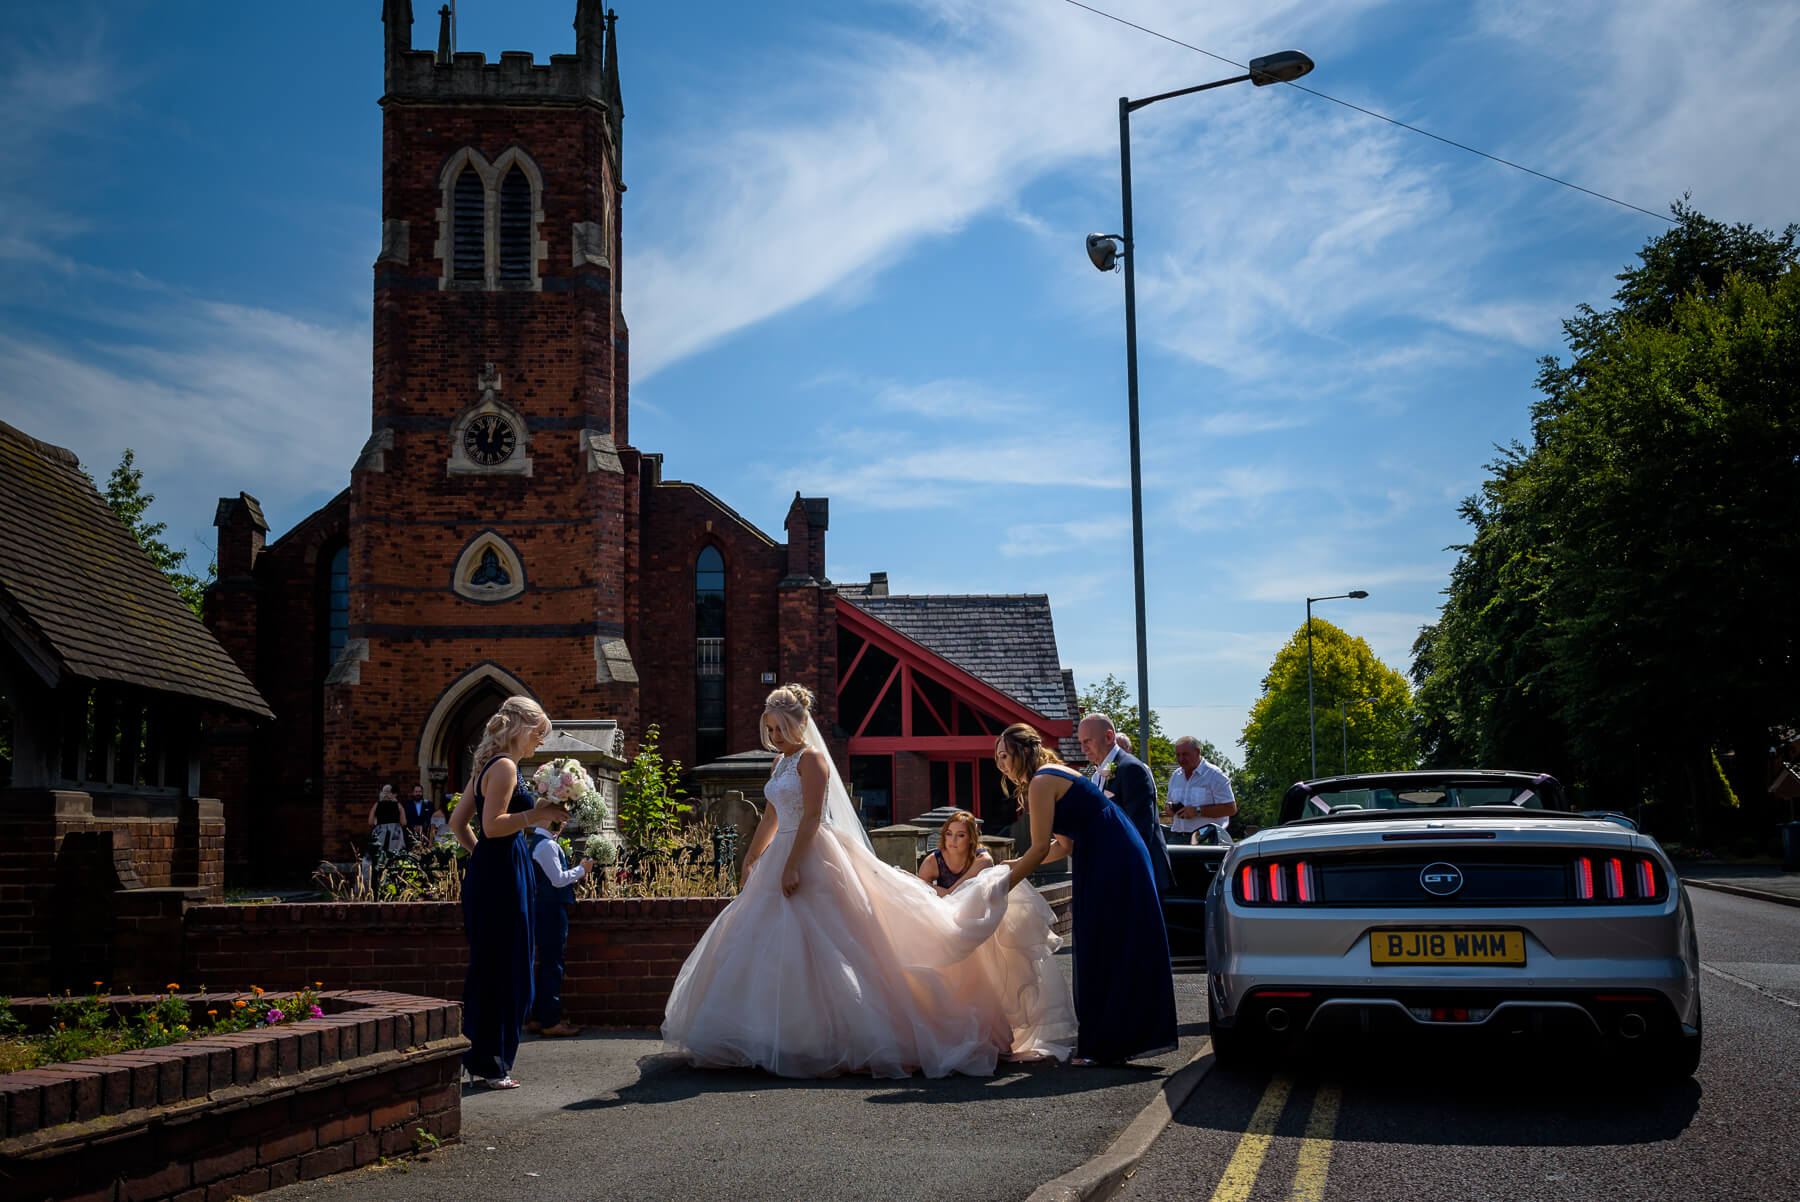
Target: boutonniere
x: 1106, y: 772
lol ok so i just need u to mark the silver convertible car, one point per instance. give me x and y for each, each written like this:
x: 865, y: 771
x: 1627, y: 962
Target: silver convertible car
x: 1467, y: 902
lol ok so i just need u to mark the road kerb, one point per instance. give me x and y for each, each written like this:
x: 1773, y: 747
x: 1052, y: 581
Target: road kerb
x: 1780, y: 899
x: 1101, y: 1177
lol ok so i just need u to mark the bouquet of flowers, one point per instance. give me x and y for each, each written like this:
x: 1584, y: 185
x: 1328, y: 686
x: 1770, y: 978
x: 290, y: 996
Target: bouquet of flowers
x: 567, y: 783
x: 603, y: 848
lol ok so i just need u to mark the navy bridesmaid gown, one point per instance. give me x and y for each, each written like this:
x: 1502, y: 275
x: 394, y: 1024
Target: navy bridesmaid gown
x: 1124, y: 988
x: 497, y: 919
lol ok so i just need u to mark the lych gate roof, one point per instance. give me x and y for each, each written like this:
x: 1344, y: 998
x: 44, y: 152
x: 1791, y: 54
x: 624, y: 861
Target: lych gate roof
x: 77, y: 587
x: 1007, y: 642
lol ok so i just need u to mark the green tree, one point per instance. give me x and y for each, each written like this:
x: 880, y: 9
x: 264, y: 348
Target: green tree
x: 125, y: 496
x: 1614, y: 619
x: 1112, y: 698
x: 650, y: 805
x: 1277, y: 749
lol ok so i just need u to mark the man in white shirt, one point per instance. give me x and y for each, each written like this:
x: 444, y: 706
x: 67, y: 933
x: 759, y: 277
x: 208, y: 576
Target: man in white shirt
x: 1200, y: 798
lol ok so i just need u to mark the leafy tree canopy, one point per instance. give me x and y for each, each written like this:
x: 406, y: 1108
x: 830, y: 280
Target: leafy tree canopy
x: 1112, y: 698
x: 1615, y: 619
x: 125, y: 495
x: 1358, y: 702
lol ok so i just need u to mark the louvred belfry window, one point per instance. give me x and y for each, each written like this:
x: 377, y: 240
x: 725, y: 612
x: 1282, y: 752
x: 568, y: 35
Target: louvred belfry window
x: 468, y: 226
x: 515, y: 226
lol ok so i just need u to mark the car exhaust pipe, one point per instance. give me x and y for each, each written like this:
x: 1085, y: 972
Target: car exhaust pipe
x: 1275, y: 1018
x: 1632, y: 1025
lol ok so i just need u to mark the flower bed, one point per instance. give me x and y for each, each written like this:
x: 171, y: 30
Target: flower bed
x: 233, y: 1111
x: 83, y: 1027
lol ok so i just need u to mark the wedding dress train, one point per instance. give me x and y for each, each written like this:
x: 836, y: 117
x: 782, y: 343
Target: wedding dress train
x: 864, y: 968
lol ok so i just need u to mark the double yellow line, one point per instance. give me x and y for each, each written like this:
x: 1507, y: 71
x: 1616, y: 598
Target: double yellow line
x: 1259, y: 1133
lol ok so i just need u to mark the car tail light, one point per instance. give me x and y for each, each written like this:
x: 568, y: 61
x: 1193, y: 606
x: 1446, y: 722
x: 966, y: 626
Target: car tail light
x: 1622, y: 879
x: 1278, y: 882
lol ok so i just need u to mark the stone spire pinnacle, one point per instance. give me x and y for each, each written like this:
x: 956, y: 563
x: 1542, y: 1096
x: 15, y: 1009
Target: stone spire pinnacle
x: 446, y: 44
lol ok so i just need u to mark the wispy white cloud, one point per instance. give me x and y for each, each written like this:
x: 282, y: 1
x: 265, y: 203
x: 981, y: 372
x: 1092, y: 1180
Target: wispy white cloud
x: 929, y: 476
x: 227, y: 398
x: 1059, y: 538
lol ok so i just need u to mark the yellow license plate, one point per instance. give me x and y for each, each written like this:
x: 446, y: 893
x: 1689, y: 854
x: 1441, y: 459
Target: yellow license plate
x: 1446, y: 947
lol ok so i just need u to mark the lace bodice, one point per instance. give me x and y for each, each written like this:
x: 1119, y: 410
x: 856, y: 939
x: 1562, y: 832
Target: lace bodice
x: 785, y: 793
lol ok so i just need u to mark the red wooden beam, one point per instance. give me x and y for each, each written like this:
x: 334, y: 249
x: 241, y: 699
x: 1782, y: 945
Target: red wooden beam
x: 855, y: 660
x: 932, y: 709
x: 958, y: 680
x: 932, y: 745
x: 876, y: 704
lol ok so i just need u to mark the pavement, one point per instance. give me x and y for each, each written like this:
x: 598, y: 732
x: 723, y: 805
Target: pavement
x: 1766, y: 882
x: 605, y: 1115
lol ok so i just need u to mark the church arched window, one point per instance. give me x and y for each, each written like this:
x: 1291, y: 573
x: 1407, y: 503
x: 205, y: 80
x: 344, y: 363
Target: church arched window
x: 709, y: 655
x: 468, y: 226
x: 337, y: 605
x: 515, y: 226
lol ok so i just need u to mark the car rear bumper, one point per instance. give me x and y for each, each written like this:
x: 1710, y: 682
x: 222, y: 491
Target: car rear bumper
x: 1577, y: 964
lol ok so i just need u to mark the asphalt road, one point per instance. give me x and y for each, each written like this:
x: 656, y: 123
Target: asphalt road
x: 1397, y: 1125
x: 603, y: 1117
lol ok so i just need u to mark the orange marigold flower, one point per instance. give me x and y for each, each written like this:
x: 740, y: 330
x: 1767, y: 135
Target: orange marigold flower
x: 239, y: 1003
x: 172, y: 986
x: 256, y: 989
x: 211, y: 1012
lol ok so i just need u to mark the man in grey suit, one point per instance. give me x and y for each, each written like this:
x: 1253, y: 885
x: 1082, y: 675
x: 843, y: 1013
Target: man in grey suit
x: 1127, y: 780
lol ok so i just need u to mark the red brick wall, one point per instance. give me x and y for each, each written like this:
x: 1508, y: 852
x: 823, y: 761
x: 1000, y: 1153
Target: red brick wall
x: 912, y: 785
x: 236, y: 1114
x: 622, y: 954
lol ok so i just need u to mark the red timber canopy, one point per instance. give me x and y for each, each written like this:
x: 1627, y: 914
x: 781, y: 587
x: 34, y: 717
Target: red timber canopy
x: 921, y: 726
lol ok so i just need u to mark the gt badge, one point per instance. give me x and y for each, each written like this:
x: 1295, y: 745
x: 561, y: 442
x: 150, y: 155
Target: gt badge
x: 1441, y: 879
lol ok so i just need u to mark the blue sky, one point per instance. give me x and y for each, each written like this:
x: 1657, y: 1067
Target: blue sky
x: 854, y: 267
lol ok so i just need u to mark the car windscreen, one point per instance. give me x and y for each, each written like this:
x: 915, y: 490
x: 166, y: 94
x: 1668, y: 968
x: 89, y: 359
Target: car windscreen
x: 1436, y: 796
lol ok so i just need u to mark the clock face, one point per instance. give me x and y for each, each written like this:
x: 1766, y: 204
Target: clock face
x: 489, y: 440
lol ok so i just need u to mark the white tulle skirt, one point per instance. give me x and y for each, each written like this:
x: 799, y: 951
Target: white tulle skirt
x: 865, y: 969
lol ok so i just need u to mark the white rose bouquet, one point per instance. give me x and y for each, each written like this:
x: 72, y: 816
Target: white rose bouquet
x: 603, y: 848
x: 567, y: 783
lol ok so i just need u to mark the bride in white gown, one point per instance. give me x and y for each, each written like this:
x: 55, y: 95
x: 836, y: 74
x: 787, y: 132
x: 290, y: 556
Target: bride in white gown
x: 831, y: 961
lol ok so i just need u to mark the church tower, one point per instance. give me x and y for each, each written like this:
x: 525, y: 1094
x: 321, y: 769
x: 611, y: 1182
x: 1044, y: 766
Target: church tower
x: 492, y: 524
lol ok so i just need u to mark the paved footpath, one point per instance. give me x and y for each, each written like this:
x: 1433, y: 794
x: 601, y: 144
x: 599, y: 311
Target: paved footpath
x: 1766, y: 881
x: 602, y: 1116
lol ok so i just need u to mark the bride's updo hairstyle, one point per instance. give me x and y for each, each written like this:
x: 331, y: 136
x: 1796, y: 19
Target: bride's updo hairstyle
x: 515, y: 716
x: 1020, y: 750
x: 787, y: 707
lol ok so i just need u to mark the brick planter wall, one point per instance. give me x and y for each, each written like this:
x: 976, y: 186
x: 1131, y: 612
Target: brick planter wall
x: 623, y: 954
x: 234, y: 1114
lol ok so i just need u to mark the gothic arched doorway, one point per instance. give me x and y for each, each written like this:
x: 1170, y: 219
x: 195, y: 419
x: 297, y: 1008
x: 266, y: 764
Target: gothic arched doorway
x: 463, y: 731
x: 447, y: 743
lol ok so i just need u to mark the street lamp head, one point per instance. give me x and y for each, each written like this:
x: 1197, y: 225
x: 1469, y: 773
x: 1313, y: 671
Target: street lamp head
x: 1357, y: 593
x: 1105, y: 250
x: 1283, y: 67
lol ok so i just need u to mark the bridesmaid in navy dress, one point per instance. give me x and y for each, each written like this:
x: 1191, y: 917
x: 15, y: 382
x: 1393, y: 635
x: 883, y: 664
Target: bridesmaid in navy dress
x: 497, y: 889
x: 1124, y: 988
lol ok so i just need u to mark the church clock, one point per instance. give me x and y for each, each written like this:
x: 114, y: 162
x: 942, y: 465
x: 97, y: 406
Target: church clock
x: 489, y: 440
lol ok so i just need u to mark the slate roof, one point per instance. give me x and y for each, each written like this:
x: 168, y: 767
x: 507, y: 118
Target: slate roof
x: 79, y: 588
x: 1008, y: 642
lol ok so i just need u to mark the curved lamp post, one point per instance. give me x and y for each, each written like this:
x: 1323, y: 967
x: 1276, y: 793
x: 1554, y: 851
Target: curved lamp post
x: 1106, y: 250
x: 1312, y: 734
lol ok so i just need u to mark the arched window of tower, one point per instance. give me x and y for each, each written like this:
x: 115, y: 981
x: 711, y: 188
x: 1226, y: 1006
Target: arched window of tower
x: 337, y: 605
x: 468, y: 225
x: 709, y: 655
x: 488, y: 569
x: 515, y: 226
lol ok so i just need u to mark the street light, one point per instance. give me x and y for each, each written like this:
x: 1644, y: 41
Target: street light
x: 1344, y: 720
x: 1312, y: 734
x: 1105, y: 251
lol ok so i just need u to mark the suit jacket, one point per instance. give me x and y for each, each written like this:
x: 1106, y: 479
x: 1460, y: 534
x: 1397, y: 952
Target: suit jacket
x: 1133, y: 790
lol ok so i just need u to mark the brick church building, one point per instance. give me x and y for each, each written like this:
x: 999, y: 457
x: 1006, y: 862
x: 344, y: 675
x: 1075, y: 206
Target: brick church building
x: 500, y: 534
